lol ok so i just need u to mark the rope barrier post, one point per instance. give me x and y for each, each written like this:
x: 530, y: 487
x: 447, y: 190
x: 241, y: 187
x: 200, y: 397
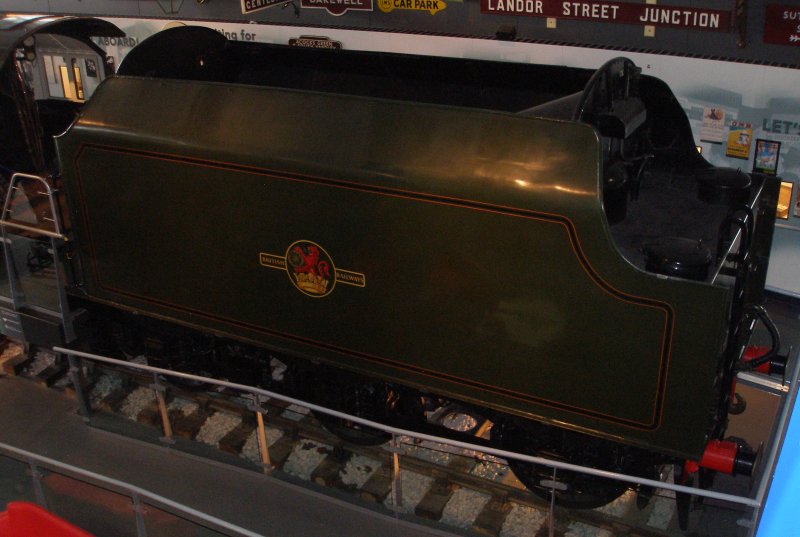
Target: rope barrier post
x: 263, y: 445
x: 38, y: 490
x: 397, y: 482
x: 138, y: 513
x: 160, y: 390
x: 76, y: 377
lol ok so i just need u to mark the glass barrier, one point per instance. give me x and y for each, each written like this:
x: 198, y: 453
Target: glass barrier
x: 30, y: 224
x: 662, y: 506
x: 5, y: 288
x: 15, y: 482
x: 34, y: 266
x: 94, y: 509
x: 160, y: 522
x: 98, y: 504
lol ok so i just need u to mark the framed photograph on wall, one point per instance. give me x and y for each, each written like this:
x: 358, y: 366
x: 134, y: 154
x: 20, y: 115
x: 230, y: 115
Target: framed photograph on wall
x: 766, y: 156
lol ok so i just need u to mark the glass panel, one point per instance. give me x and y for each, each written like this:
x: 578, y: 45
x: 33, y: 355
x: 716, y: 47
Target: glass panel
x: 15, y: 482
x: 158, y: 522
x: 30, y: 204
x: 5, y: 288
x: 29, y: 210
x: 33, y: 263
x: 784, y: 200
x: 88, y: 507
x: 655, y: 512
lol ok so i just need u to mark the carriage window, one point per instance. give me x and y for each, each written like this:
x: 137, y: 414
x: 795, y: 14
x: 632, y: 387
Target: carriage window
x: 60, y: 68
x: 784, y: 200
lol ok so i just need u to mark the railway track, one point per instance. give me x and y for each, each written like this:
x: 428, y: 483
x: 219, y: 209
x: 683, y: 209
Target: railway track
x: 466, y: 490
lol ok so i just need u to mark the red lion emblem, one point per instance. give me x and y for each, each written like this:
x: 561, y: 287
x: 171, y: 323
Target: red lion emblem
x: 306, y: 261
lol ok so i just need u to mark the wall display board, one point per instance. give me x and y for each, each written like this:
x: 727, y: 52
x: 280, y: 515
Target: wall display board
x: 733, y: 30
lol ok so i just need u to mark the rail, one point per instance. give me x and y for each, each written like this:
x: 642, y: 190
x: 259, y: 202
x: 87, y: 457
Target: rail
x: 259, y: 393
x: 136, y: 494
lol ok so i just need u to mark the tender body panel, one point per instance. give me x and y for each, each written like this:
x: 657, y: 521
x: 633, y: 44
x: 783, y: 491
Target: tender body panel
x: 460, y: 250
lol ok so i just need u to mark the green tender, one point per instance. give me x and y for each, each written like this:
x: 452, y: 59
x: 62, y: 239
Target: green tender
x: 468, y: 250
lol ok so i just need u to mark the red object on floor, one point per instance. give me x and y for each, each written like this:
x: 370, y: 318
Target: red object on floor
x: 22, y: 519
x: 754, y: 351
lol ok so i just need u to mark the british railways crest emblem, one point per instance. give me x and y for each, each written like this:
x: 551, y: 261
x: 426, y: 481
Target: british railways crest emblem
x: 311, y: 269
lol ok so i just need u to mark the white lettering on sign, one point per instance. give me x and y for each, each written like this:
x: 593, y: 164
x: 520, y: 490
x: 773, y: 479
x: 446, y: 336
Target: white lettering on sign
x: 589, y: 11
x: 679, y: 17
x: 791, y: 15
x: 516, y: 6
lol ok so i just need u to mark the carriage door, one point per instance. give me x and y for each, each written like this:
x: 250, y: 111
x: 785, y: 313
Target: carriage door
x: 35, y: 309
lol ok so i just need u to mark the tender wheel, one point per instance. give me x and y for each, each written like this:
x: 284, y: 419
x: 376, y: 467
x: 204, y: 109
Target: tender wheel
x: 572, y: 490
x: 374, y: 401
x: 368, y: 401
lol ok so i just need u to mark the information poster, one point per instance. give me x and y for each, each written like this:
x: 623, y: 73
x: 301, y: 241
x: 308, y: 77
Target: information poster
x: 740, y: 136
x: 766, y: 157
x: 713, y: 127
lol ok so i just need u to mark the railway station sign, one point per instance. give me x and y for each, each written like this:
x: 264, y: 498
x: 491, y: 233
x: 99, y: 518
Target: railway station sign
x: 313, y: 41
x: 614, y: 12
x: 431, y: 6
x: 782, y: 25
x: 251, y: 6
x: 338, y: 7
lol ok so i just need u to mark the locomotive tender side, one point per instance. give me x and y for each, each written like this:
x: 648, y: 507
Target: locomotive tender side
x: 265, y: 196
x: 487, y: 268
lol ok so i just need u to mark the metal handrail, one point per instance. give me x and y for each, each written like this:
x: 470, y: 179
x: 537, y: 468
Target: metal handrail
x: 33, y: 229
x: 115, y: 485
x: 750, y: 502
x: 56, y: 233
